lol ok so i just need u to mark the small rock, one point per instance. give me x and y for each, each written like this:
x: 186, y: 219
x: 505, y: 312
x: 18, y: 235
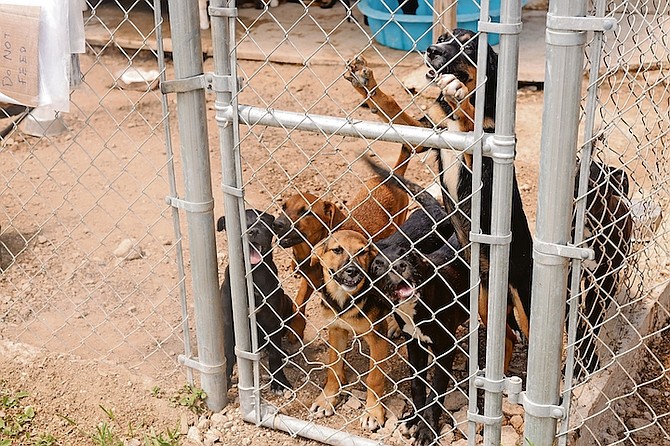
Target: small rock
x: 127, y: 250
x: 511, y: 409
x: 194, y: 434
x: 509, y: 435
x: 218, y: 419
x: 517, y: 422
x: 203, y: 424
x: 42, y: 239
x: 132, y: 442
x: 246, y: 441
x: 353, y: 403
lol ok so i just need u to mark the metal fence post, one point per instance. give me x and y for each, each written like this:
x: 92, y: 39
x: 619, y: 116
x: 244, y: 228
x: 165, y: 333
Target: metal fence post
x: 503, y: 149
x: 563, y: 80
x: 224, y: 14
x: 198, y: 202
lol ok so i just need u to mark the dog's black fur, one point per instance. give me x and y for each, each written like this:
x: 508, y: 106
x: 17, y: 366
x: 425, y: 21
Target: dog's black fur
x: 273, y: 306
x: 427, y: 283
x: 430, y: 297
x: 608, y: 230
x: 455, y: 54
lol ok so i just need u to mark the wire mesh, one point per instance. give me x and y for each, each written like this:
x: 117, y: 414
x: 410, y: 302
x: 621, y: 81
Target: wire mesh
x: 88, y: 248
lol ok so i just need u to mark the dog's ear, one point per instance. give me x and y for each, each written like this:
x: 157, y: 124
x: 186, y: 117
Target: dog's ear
x: 317, y: 252
x: 329, y: 212
x: 268, y: 219
x: 221, y: 224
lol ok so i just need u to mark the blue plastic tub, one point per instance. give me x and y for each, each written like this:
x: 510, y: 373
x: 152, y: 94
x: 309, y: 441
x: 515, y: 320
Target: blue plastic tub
x: 394, y: 29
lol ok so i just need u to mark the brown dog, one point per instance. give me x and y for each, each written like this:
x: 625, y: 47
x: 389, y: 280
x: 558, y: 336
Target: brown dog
x: 350, y: 304
x: 376, y: 211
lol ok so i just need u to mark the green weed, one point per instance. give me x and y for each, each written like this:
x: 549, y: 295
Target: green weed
x: 191, y: 397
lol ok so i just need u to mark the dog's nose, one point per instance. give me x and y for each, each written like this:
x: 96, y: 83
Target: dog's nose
x: 279, y: 226
x: 431, y: 50
x: 401, y: 266
x: 351, y: 270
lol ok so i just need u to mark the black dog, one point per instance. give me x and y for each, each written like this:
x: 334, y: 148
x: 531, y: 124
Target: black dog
x: 273, y: 306
x: 430, y: 299
x: 608, y: 229
x: 427, y: 282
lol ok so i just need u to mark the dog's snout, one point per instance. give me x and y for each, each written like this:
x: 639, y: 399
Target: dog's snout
x: 431, y: 50
x: 279, y: 226
x: 401, y: 266
x: 351, y: 270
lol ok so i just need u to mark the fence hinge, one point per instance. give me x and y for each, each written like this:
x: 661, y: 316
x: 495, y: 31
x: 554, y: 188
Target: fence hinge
x: 562, y: 23
x: 194, y: 364
x: 208, y: 81
x: 568, y: 251
x: 190, y: 206
x: 247, y: 355
x: 541, y: 410
x: 511, y: 386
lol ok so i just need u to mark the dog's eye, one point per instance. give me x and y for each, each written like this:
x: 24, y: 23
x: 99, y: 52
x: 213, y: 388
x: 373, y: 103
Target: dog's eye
x: 337, y: 250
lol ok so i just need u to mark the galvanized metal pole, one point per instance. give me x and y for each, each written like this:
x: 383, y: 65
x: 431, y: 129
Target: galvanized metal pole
x: 562, y: 96
x: 224, y: 14
x: 504, y: 144
x: 198, y: 202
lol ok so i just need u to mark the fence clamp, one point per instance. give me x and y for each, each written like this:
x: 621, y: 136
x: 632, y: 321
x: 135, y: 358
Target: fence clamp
x: 542, y: 410
x: 511, y: 386
x: 208, y: 81
x: 567, y: 251
x: 190, y: 206
x: 193, y: 363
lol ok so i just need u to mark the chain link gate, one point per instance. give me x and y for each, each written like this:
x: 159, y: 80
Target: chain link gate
x: 248, y: 160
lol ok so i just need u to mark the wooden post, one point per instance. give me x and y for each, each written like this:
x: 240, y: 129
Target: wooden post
x: 444, y: 17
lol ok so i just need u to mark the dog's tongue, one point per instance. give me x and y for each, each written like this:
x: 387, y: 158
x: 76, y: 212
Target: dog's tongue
x: 404, y: 291
x: 254, y: 256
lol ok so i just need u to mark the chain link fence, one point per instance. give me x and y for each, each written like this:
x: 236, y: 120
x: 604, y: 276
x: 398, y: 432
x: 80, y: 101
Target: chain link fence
x: 88, y: 243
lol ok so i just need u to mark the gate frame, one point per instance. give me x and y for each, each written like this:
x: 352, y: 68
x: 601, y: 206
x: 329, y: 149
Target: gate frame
x: 500, y: 146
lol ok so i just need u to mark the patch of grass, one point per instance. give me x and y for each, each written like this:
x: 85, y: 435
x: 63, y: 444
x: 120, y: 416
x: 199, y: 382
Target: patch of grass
x: 191, y: 397
x: 16, y: 421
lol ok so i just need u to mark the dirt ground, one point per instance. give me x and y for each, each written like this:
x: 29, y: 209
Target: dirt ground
x: 71, y: 363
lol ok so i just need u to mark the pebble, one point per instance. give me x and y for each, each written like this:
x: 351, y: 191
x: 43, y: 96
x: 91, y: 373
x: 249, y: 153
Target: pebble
x: 128, y: 250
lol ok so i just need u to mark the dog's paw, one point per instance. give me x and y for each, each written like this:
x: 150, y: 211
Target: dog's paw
x: 408, y: 424
x: 371, y: 421
x: 323, y: 407
x: 393, y: 329
x: 452, y: 88
x: 359, y: 74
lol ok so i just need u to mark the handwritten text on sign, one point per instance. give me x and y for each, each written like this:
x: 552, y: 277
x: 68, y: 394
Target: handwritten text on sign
x: 19, y: 57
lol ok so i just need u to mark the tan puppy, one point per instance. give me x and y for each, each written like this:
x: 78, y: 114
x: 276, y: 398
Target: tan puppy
x: 376, y: 211
x: 350, y: 305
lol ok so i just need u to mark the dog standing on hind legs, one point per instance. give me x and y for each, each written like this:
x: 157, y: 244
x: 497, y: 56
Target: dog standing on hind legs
x: 451, y: 67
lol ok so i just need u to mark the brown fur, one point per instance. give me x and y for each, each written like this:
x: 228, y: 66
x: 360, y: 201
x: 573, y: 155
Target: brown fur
x: 376, y: 211
x: 349, y: 304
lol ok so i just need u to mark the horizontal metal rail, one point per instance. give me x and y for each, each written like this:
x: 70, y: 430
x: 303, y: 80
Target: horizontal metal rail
x: 329, y: 125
